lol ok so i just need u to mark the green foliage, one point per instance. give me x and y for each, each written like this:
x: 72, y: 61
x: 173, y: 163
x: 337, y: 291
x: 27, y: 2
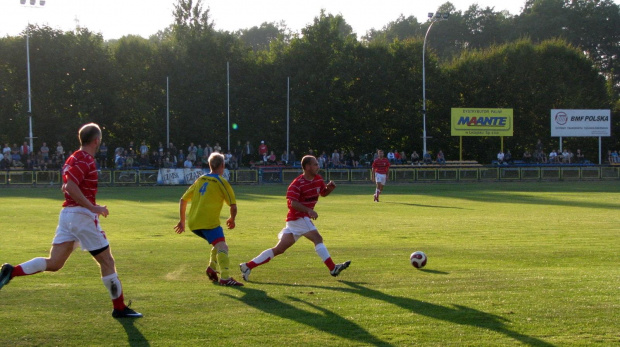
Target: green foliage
x: 509, y: 264
x: 345, y: 93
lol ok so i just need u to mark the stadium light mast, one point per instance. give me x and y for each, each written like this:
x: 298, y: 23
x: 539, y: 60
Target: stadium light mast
x: 432, y: 18
x: 32, y: 4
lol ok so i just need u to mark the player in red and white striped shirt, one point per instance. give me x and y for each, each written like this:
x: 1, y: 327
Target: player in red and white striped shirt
x: 78, y: 224
x: 303, y: 193
x: 380, y: 168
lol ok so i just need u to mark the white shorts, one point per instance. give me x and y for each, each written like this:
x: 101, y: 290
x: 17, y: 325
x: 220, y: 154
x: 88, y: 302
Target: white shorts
x: 380, y: 178
x: 297, y: 227
x: 82, y: 226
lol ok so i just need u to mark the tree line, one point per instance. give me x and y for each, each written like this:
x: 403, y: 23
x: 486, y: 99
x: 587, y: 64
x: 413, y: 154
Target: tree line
x: 345, y: 92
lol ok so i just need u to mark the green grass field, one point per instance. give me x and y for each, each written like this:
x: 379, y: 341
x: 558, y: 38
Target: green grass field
x: 531, y: 263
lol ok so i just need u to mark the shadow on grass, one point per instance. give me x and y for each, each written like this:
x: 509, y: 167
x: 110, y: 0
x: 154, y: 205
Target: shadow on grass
x: 134, y: 335
x: 421, y: 205
x: 458, y: 315
x: 326, y: 321
x: 436, y: 272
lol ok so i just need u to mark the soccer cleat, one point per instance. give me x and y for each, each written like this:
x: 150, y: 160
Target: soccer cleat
x: 339, y: 267
x: 230, y: 282
x: 376, y: 198
x: 126, y: 313
x: 5, y: 274
x: 212, y: 274
x: 245, y: 271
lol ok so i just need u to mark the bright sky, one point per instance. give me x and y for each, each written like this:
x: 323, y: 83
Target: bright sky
x: 117, y: 18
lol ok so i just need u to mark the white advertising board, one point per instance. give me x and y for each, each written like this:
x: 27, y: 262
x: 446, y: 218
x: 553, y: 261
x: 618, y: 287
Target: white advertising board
x: 580, y: 123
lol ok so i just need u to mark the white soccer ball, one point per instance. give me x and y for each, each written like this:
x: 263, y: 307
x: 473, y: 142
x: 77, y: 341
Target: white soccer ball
x: 418, y: 259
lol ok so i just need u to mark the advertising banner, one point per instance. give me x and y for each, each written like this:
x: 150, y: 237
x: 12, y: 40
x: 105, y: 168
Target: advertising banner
x: 580, y: 123
x: 183, y: 176
x: 482, y: 122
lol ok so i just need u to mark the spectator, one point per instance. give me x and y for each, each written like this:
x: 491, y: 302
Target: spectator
x: 180, y: 158
x: 427, y: 158
x: 284, y: 158
x: 199, y: 152
x: 238, y: 151
x: 292, y: 158
x: 172, y: 149
x: 192, y: 156
x: 390, y: 157
x: 192, y: 149
x: 24, y: 151
x: 45, y: 151
x: 187, y: 163
x: 527, y: 157
x: 580, y: 157
x: 440, y: 158
x: 155, y: 159
x: 336, y: 159
x: 500, y: 157
x: 508, y: 157
x: 271, y: 158
x: 6, y: 150
x: 5, y: 162
x: 248, y: 152
x: 397, y: 157
x: 208, y: 150
x: 129, y: 159
x: 614, y: 158
x: 60, y: 151
x: 160, y: 149
x: 415, y: 158
x: 103, y: 155
x: 553, y: 157
x: 119, y: 159
x: 217, y: 148
x: 262, y: 149
x: 566, y: 156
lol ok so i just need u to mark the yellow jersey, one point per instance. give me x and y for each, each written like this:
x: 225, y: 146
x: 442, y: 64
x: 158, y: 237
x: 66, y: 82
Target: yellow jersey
x: 208, y: 194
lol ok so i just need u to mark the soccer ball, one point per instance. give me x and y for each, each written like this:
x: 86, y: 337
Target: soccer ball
x: 418, y: 259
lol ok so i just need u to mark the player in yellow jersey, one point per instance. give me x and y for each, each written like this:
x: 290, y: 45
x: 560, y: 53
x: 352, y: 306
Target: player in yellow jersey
x: 208, y: 194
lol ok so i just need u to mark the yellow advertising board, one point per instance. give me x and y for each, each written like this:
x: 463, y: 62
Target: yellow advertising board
x: 482, y: 122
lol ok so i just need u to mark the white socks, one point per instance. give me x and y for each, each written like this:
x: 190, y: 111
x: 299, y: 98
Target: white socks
x: 34, y: 265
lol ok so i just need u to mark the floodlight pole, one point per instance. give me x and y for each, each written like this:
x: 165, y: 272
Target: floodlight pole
x: 433, y: 19
x: 30, y: 135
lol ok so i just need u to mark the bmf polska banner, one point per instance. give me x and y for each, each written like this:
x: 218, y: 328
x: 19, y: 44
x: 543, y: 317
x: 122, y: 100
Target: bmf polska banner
x: 482, y: 122
x: 580, y: 123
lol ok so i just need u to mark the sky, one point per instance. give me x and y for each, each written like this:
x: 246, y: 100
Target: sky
x: 117, y: 18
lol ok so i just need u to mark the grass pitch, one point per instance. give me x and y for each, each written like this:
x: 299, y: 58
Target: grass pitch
x: 509, y: 264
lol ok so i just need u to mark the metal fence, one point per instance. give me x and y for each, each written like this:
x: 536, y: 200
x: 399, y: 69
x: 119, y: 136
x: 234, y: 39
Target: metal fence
x: 286, y: 175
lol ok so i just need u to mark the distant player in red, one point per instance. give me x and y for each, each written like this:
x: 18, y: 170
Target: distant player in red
x: 303, y: 193
x: 380, y: 168
x: 78, y: 224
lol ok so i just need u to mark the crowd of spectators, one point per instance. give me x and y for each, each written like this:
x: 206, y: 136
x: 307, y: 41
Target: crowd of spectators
x: 243, y: 155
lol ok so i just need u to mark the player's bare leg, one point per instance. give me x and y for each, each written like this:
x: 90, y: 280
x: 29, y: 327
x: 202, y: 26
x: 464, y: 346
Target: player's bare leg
x: 59, y: 254
x: 286, y: 241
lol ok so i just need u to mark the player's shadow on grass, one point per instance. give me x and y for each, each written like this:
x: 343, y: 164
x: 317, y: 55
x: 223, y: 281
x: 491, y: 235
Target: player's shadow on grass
x: 323, y: 320
x: 421, y: 205
x: 134, y: 335
x: 459, y: 314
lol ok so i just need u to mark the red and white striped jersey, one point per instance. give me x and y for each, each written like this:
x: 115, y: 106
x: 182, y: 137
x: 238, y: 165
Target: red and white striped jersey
x: 306, y: 192
x: 80, y: 167
x: 381, y: 166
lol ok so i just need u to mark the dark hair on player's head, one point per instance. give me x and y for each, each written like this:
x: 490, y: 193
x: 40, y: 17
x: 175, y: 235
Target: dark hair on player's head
x: 307, y: 159
x: 88, y: 133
